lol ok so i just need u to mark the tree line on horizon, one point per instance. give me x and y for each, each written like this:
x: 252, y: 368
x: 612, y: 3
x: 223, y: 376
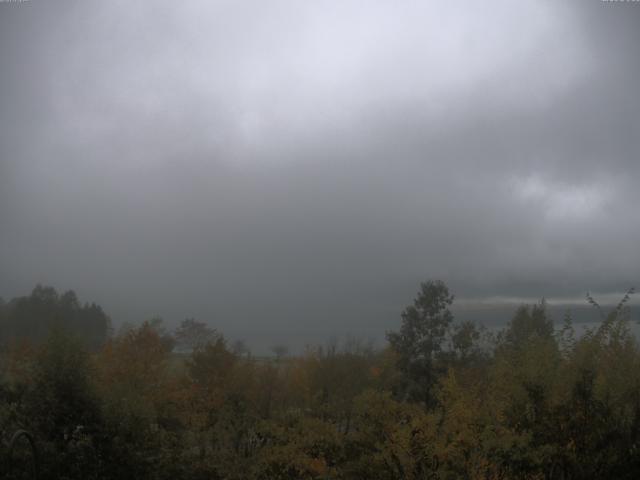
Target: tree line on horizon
x: 442, y: 400
x: 34, y: 316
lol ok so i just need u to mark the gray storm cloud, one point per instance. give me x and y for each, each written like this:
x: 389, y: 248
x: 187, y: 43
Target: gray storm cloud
x: 296, y: 168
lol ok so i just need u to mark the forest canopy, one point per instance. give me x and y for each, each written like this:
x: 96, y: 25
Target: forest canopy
x: 34, y: 316
x: 442, y: 400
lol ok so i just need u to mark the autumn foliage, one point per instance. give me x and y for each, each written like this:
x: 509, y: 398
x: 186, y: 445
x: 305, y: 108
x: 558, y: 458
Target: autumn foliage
x: 441, y: 401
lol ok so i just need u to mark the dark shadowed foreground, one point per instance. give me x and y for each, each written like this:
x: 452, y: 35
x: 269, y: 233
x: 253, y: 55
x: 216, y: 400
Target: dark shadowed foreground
x: 443, y: 400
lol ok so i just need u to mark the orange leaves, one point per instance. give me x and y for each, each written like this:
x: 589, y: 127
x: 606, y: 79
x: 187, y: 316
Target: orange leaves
x: 132, y: 369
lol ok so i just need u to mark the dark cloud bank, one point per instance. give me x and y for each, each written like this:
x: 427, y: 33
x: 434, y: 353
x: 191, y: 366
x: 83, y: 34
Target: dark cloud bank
x: 292, y: 170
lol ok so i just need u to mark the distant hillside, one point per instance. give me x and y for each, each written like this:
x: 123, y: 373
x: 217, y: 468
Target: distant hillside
x: 499, y: 314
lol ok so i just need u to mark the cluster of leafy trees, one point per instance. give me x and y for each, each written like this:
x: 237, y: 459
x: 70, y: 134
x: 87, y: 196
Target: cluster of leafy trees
x: 443, y: 400
x: 34, y: 316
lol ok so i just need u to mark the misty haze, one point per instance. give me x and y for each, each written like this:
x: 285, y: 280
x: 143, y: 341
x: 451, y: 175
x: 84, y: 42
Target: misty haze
x: 319, y: 240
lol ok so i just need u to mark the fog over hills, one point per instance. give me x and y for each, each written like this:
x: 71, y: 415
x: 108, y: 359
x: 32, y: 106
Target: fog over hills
x: 293, y: 170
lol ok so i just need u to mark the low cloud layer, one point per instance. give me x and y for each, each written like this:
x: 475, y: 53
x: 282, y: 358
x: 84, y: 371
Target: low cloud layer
x: 296, y: 168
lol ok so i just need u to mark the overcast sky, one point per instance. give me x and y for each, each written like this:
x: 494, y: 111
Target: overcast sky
x: 298, y: 167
